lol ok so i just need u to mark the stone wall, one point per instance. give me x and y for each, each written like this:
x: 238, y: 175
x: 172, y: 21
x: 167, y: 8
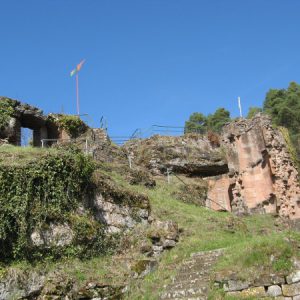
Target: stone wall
x: 272, y: 286
x: 262, y: 177
x: 27, y: 116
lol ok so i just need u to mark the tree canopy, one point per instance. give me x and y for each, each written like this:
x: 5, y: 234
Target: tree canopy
x: 200, y: 123
x: 283, y: 105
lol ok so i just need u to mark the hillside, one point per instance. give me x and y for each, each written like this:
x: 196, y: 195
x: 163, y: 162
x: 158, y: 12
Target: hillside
x: 77, y: 222
x: 249, y: 242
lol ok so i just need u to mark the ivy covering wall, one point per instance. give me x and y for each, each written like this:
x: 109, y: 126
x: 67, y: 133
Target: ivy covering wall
x: 38, y: 192
x: 6, y: 111
x: 73, y: 125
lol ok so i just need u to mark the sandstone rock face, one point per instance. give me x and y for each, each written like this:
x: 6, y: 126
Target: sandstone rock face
x: 218, y: 193
x: 262, y: 177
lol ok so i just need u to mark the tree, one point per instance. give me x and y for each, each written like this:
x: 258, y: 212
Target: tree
x: 196, y: 123
x: 283, y: 105
x: 253, y: 110
x: 216, y: 121
x: 201, y: 124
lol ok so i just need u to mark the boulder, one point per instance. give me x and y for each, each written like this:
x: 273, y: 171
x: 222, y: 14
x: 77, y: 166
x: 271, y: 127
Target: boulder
x: 274, y: 291
x: 54, y: 235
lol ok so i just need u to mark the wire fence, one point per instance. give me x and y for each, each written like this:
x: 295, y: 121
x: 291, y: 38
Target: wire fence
x: 146, y: 133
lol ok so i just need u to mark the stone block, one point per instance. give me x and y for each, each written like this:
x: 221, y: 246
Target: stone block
x: 235, y: 285
x: 274, y: 291
x: 291, y: 289
x: 258, y: 292
x: 269, y: 279
x: 293, y: 277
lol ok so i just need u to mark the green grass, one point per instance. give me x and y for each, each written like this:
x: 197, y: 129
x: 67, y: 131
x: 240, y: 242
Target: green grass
x: 250, y: 242
x: 15, y: 155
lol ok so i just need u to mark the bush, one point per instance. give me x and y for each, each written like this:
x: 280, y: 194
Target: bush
x: 73, y: 125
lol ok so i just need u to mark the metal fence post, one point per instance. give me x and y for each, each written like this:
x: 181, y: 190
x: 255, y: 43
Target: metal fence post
x: 129, y: 161
x: 168, y: 175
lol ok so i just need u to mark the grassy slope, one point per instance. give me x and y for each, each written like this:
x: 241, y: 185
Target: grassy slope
x: 12, y: 155
x: 250, y: 242
x: 255, y: 245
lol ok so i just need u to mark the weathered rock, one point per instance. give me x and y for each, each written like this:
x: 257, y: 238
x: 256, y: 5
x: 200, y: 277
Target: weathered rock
x: 117, y: 216
x: 258, y: 292
x: 141, y: 177
x: 274, y: 291
x: 98, y: 290
x: 235, y: 285
x: 189, y: 154
x: 166, y: 229
x: 294, y: 277
x: 269, y: 279
x: 262, y: 177
x: 58, y: 235
x: 117, y: 207
x: 143, y: 267
x: 167, y: 243
x: 291, y: 289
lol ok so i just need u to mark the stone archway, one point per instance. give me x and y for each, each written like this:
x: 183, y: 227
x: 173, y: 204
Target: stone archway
x: 26, y: 116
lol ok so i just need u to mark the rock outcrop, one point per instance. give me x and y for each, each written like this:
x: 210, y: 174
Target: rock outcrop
x: 262, y: 176
x: 190, y: 154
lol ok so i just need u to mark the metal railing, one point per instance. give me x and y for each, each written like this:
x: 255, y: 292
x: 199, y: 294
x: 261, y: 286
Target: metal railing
x: 85, y: 141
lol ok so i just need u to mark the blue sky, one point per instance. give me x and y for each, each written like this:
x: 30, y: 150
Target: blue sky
x: 147, y: 61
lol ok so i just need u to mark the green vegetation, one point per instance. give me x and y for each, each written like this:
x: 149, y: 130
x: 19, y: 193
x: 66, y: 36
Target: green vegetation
x: 6, y: 111
x: 35, y: 191
x: 253, y: 111
x: 290, y: 145
x: 213, y: 122
x: 203, y: 229
x: 73, y: 125
x: 260, y: 255
x: 283, y: 105
x: 253, y: 244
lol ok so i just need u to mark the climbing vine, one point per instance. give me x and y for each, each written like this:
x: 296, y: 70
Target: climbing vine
x: 43, y: 190
x: 6, y: 111
x: 292, y: 150
x: 73, y: 125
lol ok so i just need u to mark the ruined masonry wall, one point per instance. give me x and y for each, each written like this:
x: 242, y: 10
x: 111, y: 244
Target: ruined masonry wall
x: 262, y: 177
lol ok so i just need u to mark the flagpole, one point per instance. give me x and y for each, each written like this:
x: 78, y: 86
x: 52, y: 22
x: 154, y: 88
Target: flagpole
x: 77, y: 94
x: 240, y: 106
x: 73, y: 72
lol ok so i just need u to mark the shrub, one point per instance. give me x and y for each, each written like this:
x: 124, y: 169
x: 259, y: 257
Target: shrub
x: 73, y: 125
